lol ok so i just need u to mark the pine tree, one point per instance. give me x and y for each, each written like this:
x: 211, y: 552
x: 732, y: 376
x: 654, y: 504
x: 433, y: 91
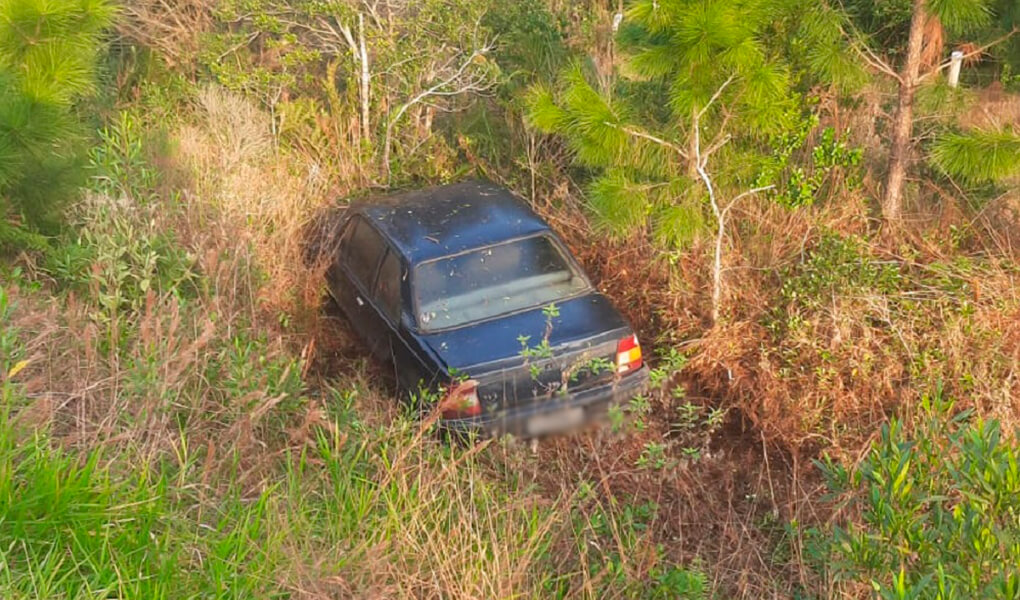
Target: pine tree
x: 933, y: 24
x: 718, y: 73
x: 979, y: 156
x: 707, y: 80
x: 48, y: 55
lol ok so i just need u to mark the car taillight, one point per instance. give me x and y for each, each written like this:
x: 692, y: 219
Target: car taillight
x: 628, y: 355
x: 461, y: 401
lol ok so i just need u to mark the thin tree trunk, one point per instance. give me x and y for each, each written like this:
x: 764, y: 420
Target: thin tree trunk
x: 365, y: 89
x: 694, y: 146
x: 360, y: 53
x: 903, y: 121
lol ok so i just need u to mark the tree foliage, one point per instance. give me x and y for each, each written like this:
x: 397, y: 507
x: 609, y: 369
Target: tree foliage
x: 48, y: 56
x: 905, y: 41
x: 712, y: 74
x: 315, y: 65
x: 978, y: 156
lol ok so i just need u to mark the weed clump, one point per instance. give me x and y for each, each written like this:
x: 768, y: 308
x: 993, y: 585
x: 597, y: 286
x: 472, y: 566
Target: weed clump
x: 931, y: 514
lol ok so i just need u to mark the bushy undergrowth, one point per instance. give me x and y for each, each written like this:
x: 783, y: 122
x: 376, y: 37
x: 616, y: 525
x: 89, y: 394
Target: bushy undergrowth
x: 855, y: 334
x: 215, y: 489
x: 933, y: 514
x: 194, y: 427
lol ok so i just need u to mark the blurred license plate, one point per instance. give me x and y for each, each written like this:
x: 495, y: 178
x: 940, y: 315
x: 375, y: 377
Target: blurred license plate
x: 556, y: 421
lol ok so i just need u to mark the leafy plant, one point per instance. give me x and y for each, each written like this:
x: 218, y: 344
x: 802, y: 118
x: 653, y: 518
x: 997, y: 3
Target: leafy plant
x: 638, y: 410
x: 839, y: 263
x: 119, y: 250
x: 616, y: 536
x: 653, y: 456
x: 833, y: 164
x: 938, y: 510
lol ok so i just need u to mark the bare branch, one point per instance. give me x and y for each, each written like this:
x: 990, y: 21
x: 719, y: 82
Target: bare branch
x: 647, y: 136
x: 373, y: 11
x: 718, y: 143
x: 715, y: 97
x: 867, y: 54
x: 873, y: 60
x: 750, y: 192
x: 174, y: 28
x: 720, y: 212
x: 462, y: 85
x: 330, y: 36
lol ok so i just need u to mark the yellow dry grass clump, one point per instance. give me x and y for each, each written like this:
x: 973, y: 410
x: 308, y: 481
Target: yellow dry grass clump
x: 260, y: 198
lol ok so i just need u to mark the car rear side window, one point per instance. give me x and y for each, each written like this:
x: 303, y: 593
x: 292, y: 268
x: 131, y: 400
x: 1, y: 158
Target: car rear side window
x: 364, y: 249
x: 387, y: 292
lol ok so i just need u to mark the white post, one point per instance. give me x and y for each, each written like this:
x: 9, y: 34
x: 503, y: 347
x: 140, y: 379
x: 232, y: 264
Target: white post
x: 617, y: 19
x: 955, y: 62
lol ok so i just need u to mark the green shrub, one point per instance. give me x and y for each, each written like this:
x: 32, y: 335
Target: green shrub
x: 843, y: 264
x: 801, y: 179
x: 121, y: 248
x: 939, y: 511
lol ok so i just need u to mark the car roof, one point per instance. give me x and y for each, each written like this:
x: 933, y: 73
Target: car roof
x: 439, y: 221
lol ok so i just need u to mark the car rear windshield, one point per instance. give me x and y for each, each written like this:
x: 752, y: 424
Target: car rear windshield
x: 493, y: 281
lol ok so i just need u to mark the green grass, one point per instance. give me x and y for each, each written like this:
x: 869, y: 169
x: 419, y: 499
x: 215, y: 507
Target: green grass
x: 350, y: 512
x: 71, y: 529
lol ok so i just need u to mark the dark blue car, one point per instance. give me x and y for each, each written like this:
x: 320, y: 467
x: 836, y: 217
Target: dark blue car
x: 473, y: 297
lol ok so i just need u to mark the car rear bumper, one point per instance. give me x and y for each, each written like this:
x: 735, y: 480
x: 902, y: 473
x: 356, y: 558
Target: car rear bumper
x: 571, y: 410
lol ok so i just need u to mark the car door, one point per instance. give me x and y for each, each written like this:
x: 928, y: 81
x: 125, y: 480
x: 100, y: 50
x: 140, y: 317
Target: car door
x: 353, y: 278
x: 391, y: 296
x: 388, y: 301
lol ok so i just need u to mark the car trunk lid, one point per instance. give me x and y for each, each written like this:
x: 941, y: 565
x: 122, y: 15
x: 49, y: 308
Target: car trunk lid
x: 536, y: 356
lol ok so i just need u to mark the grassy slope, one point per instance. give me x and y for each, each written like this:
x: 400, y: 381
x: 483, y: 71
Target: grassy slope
x: 166, y: 433
x: 219, y: 437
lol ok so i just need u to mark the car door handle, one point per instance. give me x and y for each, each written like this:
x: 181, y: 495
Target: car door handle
x: 360, y: 301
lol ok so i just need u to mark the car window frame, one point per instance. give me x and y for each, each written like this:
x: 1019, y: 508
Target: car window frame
x: 396, y: 318
x: 549, y: 234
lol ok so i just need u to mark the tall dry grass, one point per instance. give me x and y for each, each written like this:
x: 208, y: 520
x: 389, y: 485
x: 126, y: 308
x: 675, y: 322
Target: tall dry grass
x: 260, y: 197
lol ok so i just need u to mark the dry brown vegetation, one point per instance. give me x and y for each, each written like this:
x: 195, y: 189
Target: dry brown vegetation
x: 825, y: 383
x: 241, y: 206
